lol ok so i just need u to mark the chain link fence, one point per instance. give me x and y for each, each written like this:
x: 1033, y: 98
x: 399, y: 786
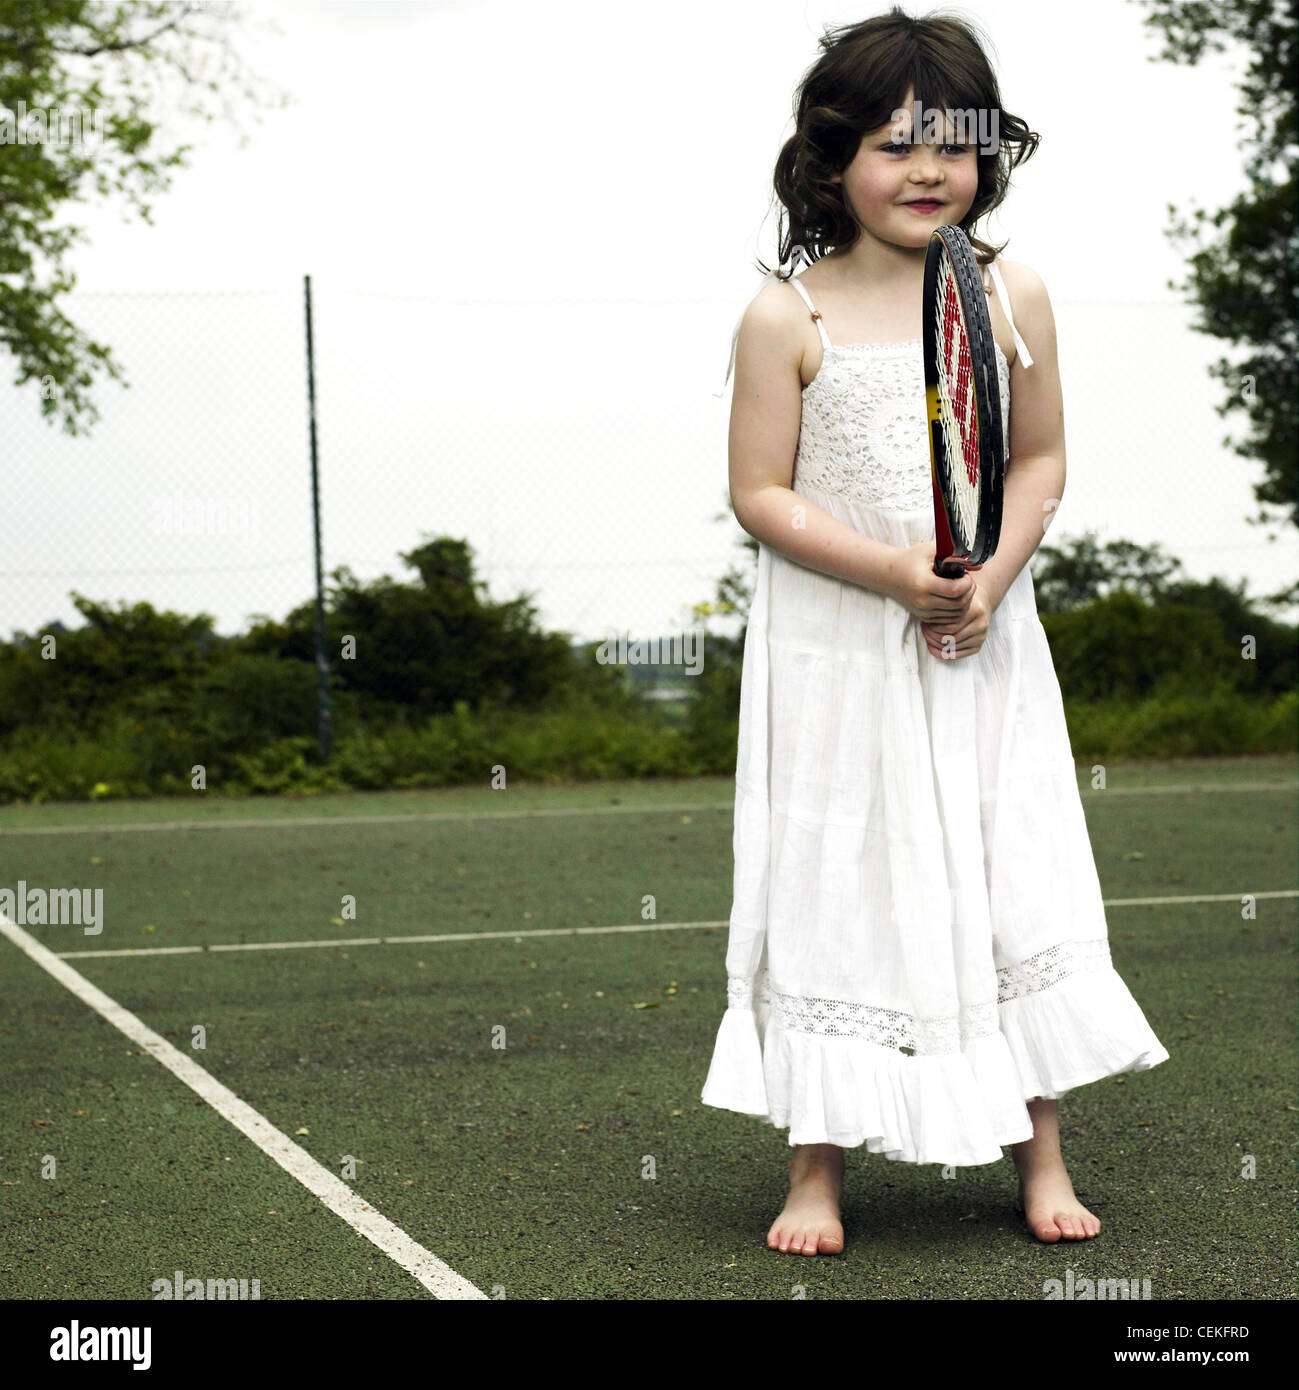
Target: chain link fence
x: 576, y: 444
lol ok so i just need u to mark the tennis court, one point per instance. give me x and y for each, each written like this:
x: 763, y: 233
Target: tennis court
x: 497, y: 1060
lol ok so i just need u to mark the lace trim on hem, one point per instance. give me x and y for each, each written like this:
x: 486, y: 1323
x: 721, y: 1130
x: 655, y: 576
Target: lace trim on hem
x: 1049, y: 967
x: 895, y: 1028
x: 842, y: 1018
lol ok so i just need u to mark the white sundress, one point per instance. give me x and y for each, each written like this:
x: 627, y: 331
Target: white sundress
x: 917, y: 939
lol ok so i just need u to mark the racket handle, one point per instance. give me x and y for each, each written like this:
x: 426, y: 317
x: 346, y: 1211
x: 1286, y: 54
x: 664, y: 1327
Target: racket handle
x: 948, y: 569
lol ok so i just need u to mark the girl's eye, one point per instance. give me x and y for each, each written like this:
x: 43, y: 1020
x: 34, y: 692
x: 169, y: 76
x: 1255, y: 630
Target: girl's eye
x: 958, y: 149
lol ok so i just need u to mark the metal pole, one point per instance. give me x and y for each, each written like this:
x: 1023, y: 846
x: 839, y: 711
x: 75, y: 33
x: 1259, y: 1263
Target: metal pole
x: 322, y: 661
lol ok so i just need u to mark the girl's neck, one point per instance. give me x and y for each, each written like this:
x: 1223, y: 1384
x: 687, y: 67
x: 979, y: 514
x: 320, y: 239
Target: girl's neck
x: 871, y: 264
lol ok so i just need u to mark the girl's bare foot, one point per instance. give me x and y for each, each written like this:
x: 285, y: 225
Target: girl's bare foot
x: 1050, y: 1208
x: 1046, y: 1195
x: 809, y: 1223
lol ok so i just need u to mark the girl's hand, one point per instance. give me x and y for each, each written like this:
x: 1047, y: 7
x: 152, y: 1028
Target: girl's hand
x: 926, y: 595
x: 949, y: 641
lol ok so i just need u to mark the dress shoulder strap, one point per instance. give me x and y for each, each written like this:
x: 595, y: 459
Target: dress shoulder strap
x: 1021, y: 347
x: 797, y: 253
x: 816, y: 313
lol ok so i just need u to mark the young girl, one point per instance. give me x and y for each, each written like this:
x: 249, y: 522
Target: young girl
x: 918, y: 958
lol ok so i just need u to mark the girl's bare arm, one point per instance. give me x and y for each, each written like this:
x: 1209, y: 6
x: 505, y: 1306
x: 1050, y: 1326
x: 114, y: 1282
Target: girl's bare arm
x: 1035, y: 474
x: 766, y: 410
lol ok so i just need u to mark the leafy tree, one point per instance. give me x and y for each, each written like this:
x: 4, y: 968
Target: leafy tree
x: 1273, y: 667
x: 422, y: 647
x: 1123, y: 645
x: 1082, y: 569
x: 127, y: 654
x: 108, y: 66
x: 1244, y: 279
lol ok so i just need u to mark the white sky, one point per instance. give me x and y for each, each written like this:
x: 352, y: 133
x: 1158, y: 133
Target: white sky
x: 597, y: 178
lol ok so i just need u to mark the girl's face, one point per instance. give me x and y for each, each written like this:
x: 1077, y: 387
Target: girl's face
x: 889, y: 172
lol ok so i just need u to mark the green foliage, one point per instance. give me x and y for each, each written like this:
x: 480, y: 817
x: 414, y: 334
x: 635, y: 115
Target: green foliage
x: 285, y: 768
x: 252, y: 701
x: 420, y: 647
x: 711, y: 728
x: 1243, y: 266
x: 448, y: 685
x: 574, y: 743
x: 119, y: 654
x: 1189, y: 723
x: 1123, y: 646
x: 1082, y: 569
x: 106, y: 66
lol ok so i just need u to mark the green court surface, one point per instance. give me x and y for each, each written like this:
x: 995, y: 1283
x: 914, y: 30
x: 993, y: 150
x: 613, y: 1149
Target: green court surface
x: 577, y: 1161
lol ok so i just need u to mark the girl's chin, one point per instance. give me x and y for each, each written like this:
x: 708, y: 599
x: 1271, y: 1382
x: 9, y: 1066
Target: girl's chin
x: 918, y: 240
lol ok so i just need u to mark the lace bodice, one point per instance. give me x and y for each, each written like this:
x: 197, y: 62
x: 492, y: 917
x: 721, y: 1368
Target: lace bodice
x: 864, y: 433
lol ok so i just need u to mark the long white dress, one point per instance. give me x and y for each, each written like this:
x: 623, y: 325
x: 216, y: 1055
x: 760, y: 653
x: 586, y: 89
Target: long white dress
x: 917, y: 939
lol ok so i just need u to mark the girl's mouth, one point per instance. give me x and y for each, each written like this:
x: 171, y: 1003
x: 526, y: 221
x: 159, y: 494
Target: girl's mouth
x: 924, y: 206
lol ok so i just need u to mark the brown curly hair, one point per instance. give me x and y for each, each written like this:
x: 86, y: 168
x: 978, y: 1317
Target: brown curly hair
x: 855, y: 86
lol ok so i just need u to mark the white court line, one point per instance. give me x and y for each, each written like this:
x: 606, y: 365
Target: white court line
x: 438, y: 1278
x: 395, y: 818
x: 392, y: 940
x: 572, y: 931
x: 1200, y: 898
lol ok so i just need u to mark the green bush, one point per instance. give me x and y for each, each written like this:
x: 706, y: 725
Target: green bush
x: 1122, y: 646
x: 578, y: 742
x: 249, y: 702
x: 1184, y: 724
x: 284, y: 768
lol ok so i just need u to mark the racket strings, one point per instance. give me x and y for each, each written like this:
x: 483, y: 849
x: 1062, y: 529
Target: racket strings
x: 958, y: 410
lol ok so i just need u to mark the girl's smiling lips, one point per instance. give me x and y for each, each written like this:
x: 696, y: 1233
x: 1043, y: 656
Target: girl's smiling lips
x: 924, y: 205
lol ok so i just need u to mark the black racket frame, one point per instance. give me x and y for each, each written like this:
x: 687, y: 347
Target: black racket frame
x: 987, y: 394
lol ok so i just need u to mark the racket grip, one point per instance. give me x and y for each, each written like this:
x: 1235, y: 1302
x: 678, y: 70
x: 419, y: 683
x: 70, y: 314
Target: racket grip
x: 948, y: 569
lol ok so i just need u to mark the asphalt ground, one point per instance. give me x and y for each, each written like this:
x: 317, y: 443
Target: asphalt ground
x: 518, y: 1099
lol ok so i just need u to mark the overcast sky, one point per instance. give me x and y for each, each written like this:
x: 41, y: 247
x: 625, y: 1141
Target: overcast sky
x: 530, y: 230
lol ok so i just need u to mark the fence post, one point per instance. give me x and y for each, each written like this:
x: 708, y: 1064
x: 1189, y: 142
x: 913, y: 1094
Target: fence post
x: 322, y: 661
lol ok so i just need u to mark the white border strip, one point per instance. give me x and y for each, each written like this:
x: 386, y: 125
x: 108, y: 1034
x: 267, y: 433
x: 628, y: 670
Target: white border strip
x: 438, y: 1278
x: 568, y: 931
x: 400, y: 818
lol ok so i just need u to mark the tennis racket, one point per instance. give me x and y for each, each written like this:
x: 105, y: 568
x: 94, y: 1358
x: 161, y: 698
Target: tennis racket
x: 963, y: 406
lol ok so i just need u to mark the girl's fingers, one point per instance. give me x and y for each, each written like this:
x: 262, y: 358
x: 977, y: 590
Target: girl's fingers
x: 962, y: 648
